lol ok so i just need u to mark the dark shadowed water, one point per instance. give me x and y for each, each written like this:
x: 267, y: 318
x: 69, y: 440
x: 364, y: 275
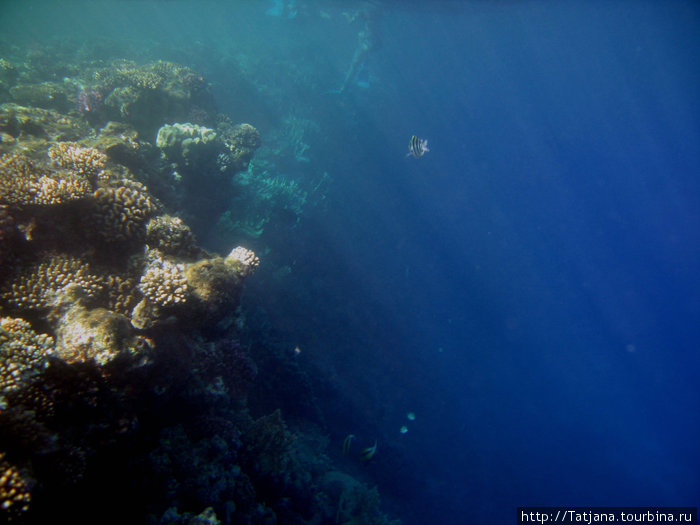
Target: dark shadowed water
x: 529, y: 288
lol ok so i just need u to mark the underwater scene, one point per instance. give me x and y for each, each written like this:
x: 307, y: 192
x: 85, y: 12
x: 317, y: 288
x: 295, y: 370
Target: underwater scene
x: 333, y: 262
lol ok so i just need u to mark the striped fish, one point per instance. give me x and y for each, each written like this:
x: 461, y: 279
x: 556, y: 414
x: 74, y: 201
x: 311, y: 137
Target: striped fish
x: 368, y: 453
x: 417, y: 147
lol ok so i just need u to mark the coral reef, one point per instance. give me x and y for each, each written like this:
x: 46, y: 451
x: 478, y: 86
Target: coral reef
x: 121, y: 211
x: 87, y: 162
x: 23, y: 184
x: 28, y: 130
x: 202, y: 162
x: 163, y: 283
x: 146, y: 96
x: 124, y: 383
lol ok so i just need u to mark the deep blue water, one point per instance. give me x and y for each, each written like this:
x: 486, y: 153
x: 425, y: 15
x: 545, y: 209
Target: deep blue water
x: 530, y: 287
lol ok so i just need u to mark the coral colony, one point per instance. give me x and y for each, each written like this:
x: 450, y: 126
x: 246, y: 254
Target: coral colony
x: 89, y: 100
x: 122, y: 378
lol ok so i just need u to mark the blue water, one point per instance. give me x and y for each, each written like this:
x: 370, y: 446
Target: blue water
x: 530, y: 287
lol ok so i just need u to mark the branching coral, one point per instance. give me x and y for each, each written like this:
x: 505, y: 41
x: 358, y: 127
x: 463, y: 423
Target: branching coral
x: 171, y: 236
x: 23, y: 353
x: 121, y: 212
x: 87, y: 162
x: 122, y: 293
x: 164, y: 283
x: 243, y: 261
x: 35, y: 286
x: 23, y: 184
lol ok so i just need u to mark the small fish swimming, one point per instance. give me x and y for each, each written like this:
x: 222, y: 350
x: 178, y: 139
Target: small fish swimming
x: 346, y: 443
x: 417, y: 147
x: 368, y: 453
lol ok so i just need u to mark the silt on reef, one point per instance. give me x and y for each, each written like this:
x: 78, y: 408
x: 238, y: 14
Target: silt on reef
x: 118, y: 387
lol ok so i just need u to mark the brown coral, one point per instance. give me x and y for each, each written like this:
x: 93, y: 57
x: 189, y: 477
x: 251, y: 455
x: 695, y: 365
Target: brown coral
x: 213, y: 282
x: 164, y: 283
x: 242, y: 260
x: 15, y: 489
x: 87, y: 162
x: 122, y: 293
x: 84, y: 335
x: 8, y: 232
x: 121, y: 212
x: 22, y: 184
x: 33, y: 128
x: 171, y: 236
x: 34, y: 287
x: 23, y: 353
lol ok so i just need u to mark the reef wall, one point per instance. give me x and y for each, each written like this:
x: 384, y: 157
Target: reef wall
x: 123, y: 383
